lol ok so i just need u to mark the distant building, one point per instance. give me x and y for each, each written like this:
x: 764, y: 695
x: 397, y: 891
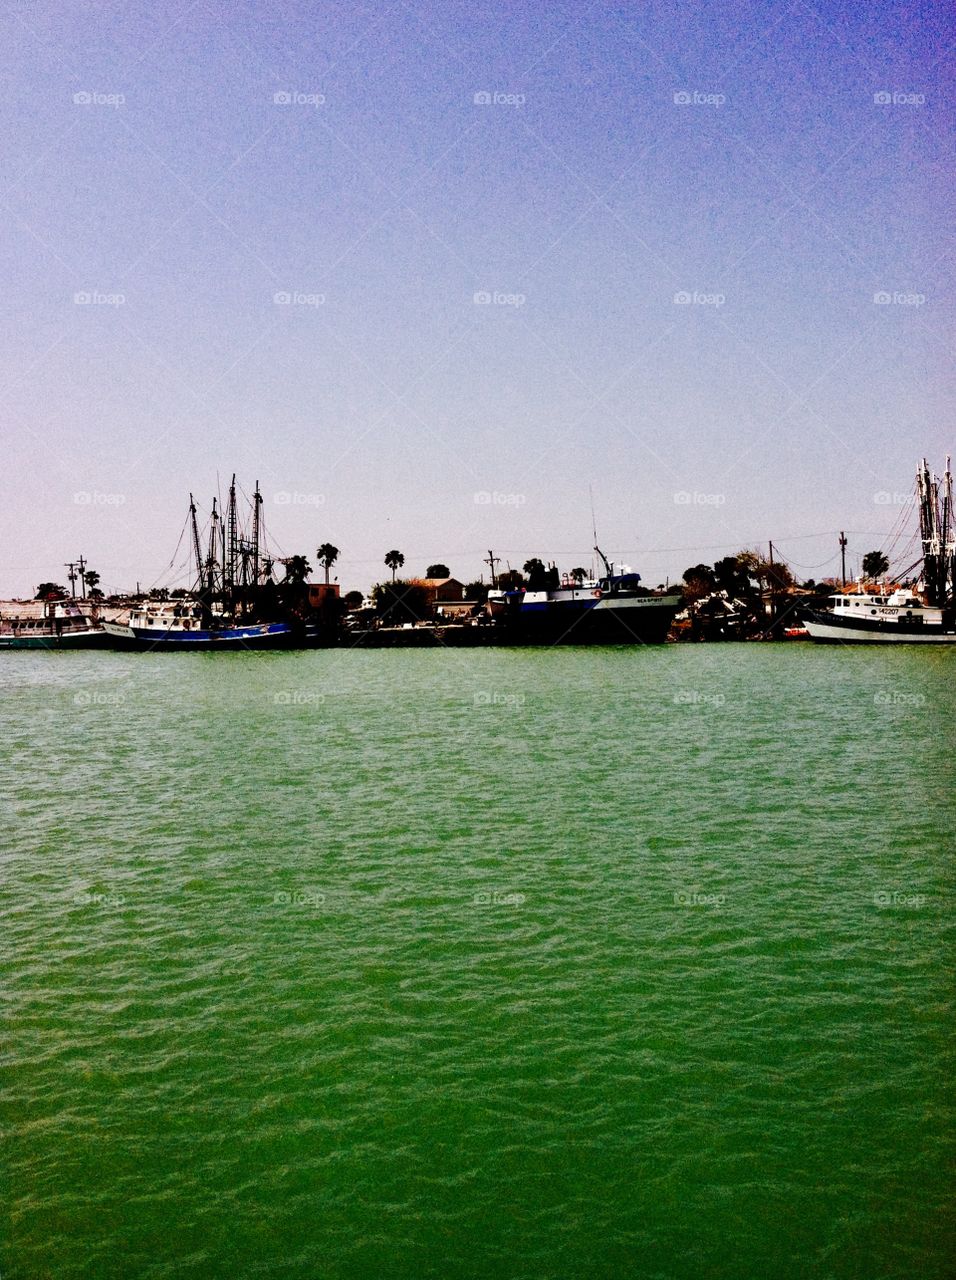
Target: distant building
x: 321, y: 592
x: 440, y: 590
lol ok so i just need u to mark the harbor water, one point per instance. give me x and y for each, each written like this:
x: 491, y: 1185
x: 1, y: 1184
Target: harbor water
x: 479, y: 963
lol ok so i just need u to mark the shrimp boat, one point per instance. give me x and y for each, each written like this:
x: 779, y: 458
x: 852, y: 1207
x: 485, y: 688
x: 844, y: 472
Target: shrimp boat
x: 611, y: 609
x: 184, y: 627
x: 234, y: 604
x: 923, y: 614
x: 64, y: 625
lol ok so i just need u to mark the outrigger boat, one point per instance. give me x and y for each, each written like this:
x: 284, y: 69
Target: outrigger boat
x: 233, y: 600
x: 922, y: 615
x: 182, y: 627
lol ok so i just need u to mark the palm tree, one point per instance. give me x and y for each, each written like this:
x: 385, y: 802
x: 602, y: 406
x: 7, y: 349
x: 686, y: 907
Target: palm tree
x: 536, y: 572
x: 394, y: 560
x: 297, y: 569
x: 92, y: 580
x: 875, y: 564
x: 327, y: 556
x: 578, y: 575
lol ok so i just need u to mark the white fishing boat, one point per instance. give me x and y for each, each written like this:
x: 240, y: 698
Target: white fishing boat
x: 64, y: 624
x: 922, y: 614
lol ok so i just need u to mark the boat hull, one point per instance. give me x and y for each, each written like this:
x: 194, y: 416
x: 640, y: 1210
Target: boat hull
x: 828, y: 628
x: 266, y: 635
x: 590, y: 620
x: 94, y: 639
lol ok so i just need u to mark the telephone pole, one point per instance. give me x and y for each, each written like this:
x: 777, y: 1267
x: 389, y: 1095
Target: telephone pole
x: 491, y: 561
x: 81, y: 565
x: 842, y: 559
x: 71, y: 577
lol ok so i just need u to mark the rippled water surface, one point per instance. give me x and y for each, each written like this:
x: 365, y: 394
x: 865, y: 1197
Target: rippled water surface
x: 597, y: 963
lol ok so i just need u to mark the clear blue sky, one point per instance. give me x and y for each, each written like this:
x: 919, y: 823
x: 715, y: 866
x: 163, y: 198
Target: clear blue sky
x: 145, y: 157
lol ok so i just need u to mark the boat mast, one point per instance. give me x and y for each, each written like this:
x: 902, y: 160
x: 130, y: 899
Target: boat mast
x: 949, y: 533
x: 935, y: 568
x: 196, y: 549
x: 213, y: 550
x: 256, y: 507
x: 233, y: 547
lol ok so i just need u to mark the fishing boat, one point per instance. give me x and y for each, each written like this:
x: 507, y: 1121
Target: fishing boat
x: 185, y: 627
x: 63, y: 625
x: 234, y: 604
x: 921, y: 614
x: 611, y: 609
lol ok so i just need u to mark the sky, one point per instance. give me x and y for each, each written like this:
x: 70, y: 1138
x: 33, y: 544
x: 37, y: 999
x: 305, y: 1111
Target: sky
x: 434, y: 274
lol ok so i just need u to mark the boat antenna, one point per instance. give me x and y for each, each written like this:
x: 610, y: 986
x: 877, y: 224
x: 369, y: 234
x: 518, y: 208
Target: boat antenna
x: 607, y: 567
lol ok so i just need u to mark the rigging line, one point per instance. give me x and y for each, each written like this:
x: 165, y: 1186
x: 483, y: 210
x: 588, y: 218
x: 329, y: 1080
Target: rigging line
x: 797, y: 565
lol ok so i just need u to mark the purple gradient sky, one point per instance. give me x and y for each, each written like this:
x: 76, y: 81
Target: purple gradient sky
x: 791, y: 410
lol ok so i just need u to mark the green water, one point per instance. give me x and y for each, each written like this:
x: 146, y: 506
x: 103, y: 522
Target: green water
x: 597, y: 963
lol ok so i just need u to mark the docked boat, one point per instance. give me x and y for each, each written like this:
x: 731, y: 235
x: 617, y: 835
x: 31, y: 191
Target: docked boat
x: 63, y: 625
x: 922, y: 614
x: 875, y: 618
x: 611, y: 609
x: 184, y: 628
x: 234, y: 604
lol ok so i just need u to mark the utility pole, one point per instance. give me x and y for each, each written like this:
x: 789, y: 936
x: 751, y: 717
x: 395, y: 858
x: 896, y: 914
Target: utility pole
x: 81, y: 565
x: 842, y: 559
x: 71, y: 577
x: 491, y: 561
